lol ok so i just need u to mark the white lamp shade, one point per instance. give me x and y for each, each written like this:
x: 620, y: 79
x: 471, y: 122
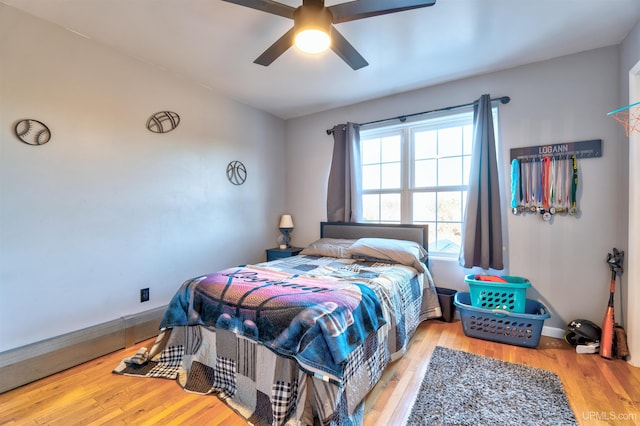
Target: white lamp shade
x: 286, y: 221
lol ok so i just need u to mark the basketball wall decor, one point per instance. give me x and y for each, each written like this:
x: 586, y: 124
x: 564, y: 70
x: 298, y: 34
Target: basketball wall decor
x: 32, y: 132
x: 163, y: 121
x: 236, y: 173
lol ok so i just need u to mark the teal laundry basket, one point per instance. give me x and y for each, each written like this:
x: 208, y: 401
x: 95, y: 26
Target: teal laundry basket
x: 508, y: 296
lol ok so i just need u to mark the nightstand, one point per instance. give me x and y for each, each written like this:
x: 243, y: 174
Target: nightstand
x: 278, y: 253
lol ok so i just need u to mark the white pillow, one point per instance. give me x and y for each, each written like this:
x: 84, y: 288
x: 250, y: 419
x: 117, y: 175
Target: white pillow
x: 388, y: 250
x: 329, y: 247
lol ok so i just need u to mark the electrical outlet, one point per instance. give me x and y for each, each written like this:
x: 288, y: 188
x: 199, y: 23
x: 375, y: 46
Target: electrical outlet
x: 144, y: 295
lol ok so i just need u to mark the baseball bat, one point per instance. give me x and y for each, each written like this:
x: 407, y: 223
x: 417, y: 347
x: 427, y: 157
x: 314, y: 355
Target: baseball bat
x: 606, y: 340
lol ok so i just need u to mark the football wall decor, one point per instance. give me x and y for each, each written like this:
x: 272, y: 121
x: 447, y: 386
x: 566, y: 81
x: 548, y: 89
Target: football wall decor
x: 32, y: 132
x: 163, y: 122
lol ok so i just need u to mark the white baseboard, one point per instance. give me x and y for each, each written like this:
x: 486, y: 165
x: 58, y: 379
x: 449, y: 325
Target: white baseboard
x: 32, y: 362
x: 558, y: 333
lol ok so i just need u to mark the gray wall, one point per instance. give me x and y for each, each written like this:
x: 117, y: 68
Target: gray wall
x: 560, y: 100
x: 107, y: 207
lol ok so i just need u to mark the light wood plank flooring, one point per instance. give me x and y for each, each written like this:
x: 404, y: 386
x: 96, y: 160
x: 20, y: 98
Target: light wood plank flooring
x: 601, y: 392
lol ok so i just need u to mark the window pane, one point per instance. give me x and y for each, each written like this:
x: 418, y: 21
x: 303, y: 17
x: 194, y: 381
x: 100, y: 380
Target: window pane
x: 426, y: 145
x: 370, y: 151
x: 371, y: 207
x: 425, y: 173
x: 390, y: 207
x: 466, y: 169
x: 424, y: 206
x: 449, y: 238
x: 391, y: 176
x: 391, y: 148
x: 432, y: 237
x: 371, y: 177
x: 450, y: 206
x: 450, y: 141
x: 467, y: 135
x: 450, y: 171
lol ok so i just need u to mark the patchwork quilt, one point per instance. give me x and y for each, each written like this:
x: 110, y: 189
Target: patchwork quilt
x: 300, y: 340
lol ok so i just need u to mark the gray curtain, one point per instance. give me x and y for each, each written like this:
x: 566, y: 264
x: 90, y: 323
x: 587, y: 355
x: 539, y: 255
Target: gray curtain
x: 344, y: 178
x: 482, y: 236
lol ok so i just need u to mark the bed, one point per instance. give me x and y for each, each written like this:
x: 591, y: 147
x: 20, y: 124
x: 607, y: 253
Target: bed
x: 299, y: 340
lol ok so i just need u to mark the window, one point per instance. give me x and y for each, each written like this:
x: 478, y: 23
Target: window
x: 419, y: 173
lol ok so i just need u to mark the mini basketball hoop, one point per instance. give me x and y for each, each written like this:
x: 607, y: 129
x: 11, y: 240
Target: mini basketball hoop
x: 628, y: 116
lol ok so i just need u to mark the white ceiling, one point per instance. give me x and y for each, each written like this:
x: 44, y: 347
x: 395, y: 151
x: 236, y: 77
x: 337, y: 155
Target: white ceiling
x: 214, y: 43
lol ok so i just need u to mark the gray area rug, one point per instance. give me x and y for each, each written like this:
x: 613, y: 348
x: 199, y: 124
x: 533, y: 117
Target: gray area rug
x: 460, y: 388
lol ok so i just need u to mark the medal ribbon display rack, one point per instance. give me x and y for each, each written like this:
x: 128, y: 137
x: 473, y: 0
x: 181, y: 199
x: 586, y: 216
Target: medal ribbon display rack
x: 544, y: 178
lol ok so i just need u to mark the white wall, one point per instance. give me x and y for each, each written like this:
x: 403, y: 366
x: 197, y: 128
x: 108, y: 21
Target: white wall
x: 560, y: 100
x: 629, y: 313
x: 107, y: 207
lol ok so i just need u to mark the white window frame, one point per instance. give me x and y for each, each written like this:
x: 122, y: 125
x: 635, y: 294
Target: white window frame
x: 407, y: 130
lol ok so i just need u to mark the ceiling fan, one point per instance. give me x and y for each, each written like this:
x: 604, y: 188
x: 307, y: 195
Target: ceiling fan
x: 314, y: 18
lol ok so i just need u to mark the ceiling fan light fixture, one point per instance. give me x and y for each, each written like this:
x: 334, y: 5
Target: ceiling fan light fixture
x: 312, y: 25
x: 320, y: 19
x: 312, y: 41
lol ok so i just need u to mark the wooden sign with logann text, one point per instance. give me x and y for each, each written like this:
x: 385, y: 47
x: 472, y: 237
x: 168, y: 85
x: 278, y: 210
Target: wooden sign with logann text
x: 582, y: 149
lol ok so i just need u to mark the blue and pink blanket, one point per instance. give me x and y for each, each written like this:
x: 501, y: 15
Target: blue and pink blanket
x: 317, y: 321
x: 235, y: 334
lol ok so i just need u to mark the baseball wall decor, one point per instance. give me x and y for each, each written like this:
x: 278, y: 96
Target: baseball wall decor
x: 32, y: 132
x: 163, y: 121
x: 236, y: 173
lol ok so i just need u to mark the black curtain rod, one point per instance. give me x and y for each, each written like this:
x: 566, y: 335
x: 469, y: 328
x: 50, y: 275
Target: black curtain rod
x: 403, y: 118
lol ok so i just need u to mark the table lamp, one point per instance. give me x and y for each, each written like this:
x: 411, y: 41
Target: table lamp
x: 286, y: 226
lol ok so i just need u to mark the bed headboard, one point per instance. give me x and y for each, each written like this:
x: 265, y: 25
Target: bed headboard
x: 417, y: 233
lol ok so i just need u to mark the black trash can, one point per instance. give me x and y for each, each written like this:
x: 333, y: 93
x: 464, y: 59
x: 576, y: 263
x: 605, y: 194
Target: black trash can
x: 445, y: 297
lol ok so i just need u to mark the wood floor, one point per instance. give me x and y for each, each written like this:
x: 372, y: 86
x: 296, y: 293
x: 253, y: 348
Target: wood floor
x: 601, y: 392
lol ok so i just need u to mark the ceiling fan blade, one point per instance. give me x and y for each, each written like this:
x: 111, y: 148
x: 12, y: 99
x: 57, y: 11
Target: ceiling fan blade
x: 268, y: 6
x: 276, y: 49
x: 346, y: 51
x: 359, y: 9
